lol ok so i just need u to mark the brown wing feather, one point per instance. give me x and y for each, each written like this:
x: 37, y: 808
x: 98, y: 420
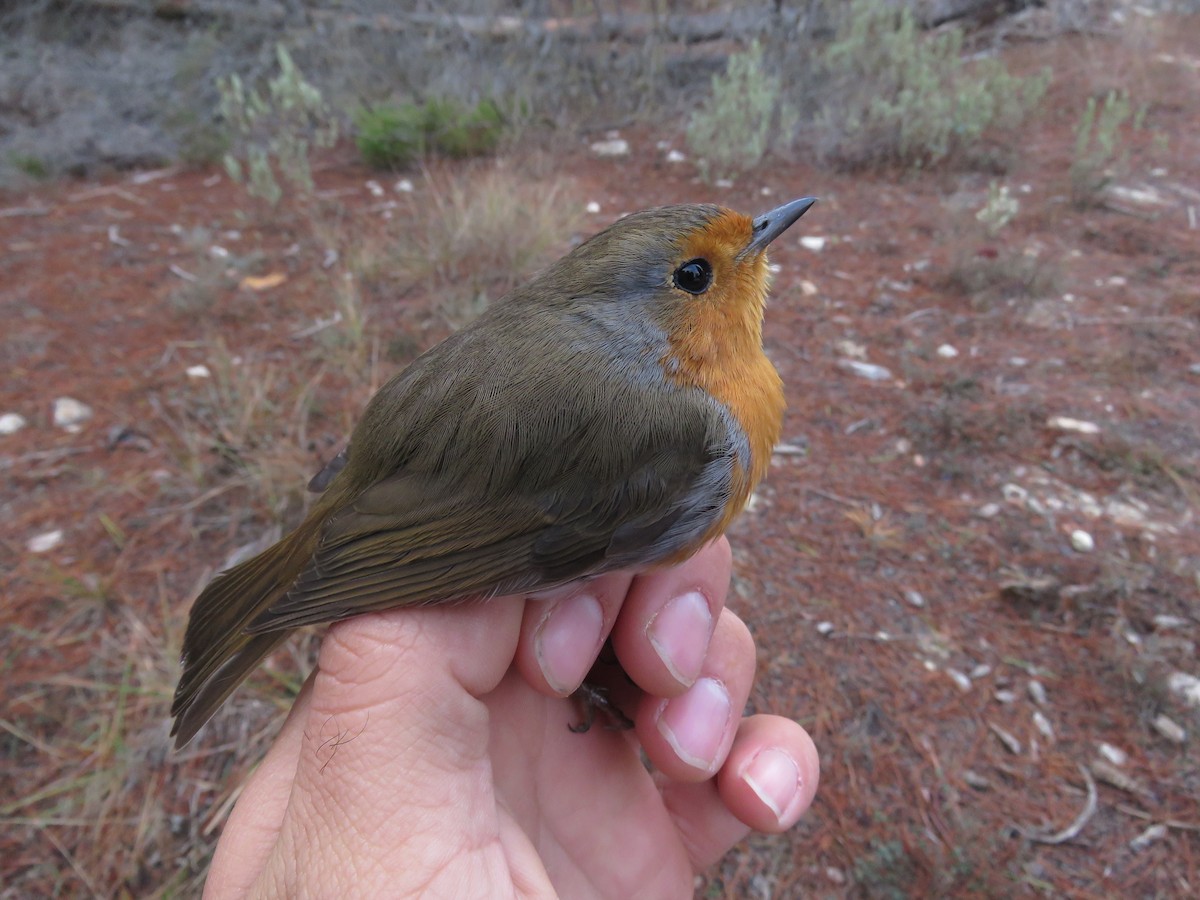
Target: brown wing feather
x: 368, y: 560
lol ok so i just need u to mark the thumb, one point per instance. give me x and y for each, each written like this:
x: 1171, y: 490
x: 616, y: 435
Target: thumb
x: 389, y: 720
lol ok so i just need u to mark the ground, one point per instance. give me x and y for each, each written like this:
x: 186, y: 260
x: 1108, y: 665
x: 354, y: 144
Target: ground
x: 975, y: 579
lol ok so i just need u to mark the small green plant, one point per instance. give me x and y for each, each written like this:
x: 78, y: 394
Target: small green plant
x: 392, y: 136
x: 895, y: 95
x: 1000, y: 209
x: 731, y: 131
x: 273, y: 134
x: 31, y: 166
x: 1099, y: 152
x: 985, y: 268
x: 389, y: 137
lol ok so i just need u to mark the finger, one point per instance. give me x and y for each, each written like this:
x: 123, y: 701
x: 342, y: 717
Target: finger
x: 258, y: 814
x: 394, y: 721
x: 663, y: 632
x: 767, y: 783
x: 688, y: 737
x: 771, y: 774
x: 563, y: 630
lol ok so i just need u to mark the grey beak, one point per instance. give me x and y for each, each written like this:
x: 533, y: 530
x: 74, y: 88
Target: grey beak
x: 771, y: 225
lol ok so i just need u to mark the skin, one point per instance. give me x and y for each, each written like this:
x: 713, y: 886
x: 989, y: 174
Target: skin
x: 405, y: 766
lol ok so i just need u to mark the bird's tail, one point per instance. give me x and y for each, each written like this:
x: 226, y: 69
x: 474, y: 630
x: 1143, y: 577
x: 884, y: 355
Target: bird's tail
x: 218, y: 653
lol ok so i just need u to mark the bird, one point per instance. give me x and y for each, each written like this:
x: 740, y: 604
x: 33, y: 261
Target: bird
x: 613, y: 413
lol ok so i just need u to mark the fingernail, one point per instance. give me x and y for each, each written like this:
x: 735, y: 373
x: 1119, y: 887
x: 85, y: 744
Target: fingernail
x: 695, y: 723
x: 774, y: 776
x: 679, y: 634
x: 568, y: 639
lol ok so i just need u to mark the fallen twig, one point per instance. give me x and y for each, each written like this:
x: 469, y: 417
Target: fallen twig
x: 14, y: 211
x: 182, y: 273
x: 1147, y: 817
x: 1071, y: 831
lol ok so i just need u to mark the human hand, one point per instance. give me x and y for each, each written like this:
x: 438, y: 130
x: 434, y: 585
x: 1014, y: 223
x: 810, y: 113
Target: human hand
x: 430, y: 752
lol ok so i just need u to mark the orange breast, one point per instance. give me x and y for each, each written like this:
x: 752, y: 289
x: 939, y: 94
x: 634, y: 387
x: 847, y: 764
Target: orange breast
x: 716, y: 345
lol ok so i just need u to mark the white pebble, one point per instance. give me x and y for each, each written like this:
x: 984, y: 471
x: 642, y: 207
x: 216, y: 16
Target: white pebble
x: 851, y: 349
x: 1014, y: 493
x: 869, y: 371
x: 198, y: 371
x: 11, y: 423
x: 1042, y: 724
x: 1165, y: 623
x: 1011, y: 744
x: 988, y: 511
x: 824, y: 628
x: 1082, y: 542
x: 977, y: 781
x: 375, y: 188
x: 403, y: 186
x: 983, y: 670
x: 1114, y: 755
x: 1037, y: 692
x: 961, y: 680
x: 45, y: 542
x: 914, y: 598
x: 808, y: 289
x: 674, y: 156
x: 593, y: 207
x: 813, y: 242
x: 946, y: 352
x: 1169, y: 728
x: 723, y: 183
x: 70, y: 414
x: 1186, y: 686
x: 1148, y: 837
x: 611, y: 147
x: 1066, y: 423
x: 1005, y: 696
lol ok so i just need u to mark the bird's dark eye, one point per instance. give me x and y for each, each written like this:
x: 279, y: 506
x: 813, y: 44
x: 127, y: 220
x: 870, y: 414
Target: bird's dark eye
x: 694, y: 276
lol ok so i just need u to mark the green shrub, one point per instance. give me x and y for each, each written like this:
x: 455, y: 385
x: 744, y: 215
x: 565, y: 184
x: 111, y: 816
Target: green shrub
x: 274, y: 133
x: 731, y: 131
x: 392, y: 136
x: 895, y: 95
x: 459, y: 132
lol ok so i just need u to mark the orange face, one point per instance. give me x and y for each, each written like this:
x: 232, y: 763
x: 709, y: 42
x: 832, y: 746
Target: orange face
x: 715, y: 338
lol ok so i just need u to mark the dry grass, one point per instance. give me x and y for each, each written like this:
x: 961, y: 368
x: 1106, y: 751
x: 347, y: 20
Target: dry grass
x: 485, y: 234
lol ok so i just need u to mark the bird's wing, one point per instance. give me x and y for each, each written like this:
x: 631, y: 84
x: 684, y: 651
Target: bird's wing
x: 411, y: 538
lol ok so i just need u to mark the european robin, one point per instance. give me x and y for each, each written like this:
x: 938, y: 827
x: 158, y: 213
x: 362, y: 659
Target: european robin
x: 613, y: 413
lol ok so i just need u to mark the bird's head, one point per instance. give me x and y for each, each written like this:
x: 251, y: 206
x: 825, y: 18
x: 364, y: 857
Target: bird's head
x: 683, y: 266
